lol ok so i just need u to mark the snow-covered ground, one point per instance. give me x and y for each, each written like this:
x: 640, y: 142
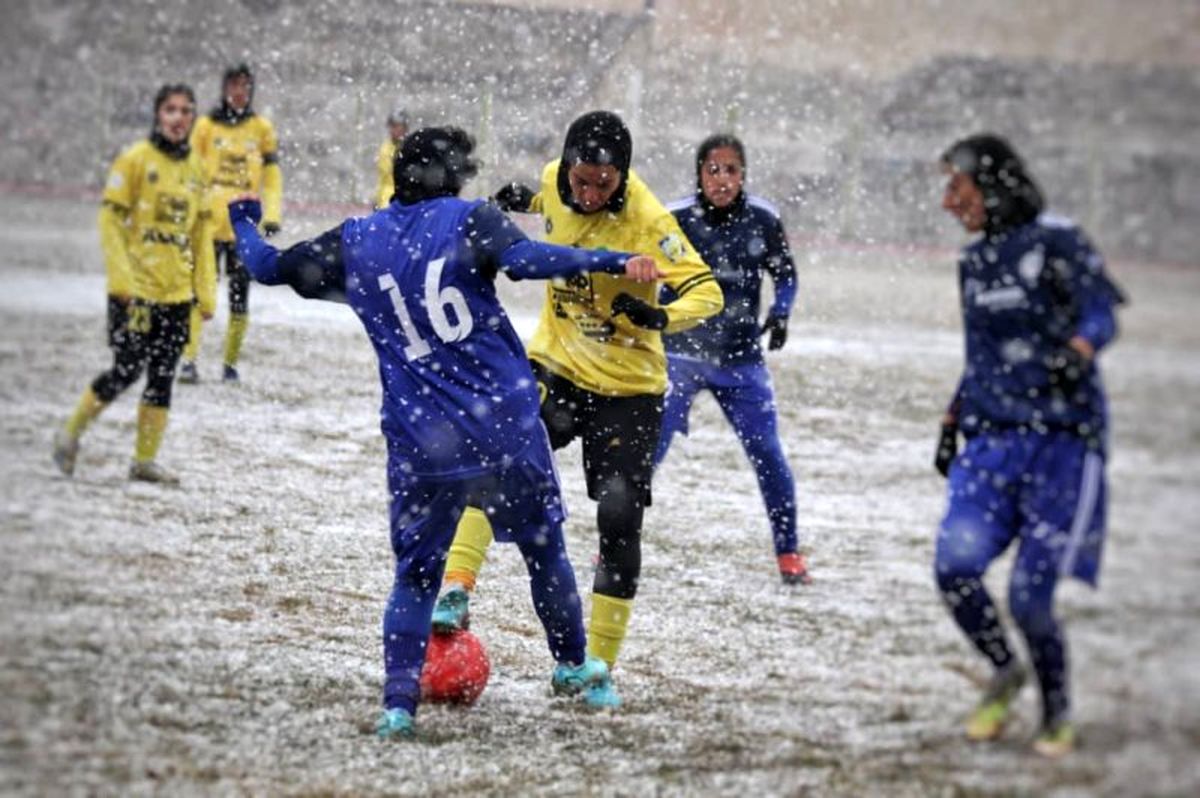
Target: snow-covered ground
x: 224, y: 636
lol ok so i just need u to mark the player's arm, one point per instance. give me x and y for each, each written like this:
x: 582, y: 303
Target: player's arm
x: 204, y: 271
x: 313, y: 268
x: 1081, y: 268
x: 499, y: 245
x: 272, y: 181
x: 115, y: 221
x: 782, y: 268
x: 697, y: 294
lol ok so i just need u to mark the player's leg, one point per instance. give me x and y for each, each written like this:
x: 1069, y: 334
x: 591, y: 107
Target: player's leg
x: 685, y: 378
x: 239, y: 313
x: 168, y: 334
x: 188, y: 374
x: 127, y: 345
x: 1064, y: 506
x: 746, y: 398
x: 422, y: 513
x: 980, y: 523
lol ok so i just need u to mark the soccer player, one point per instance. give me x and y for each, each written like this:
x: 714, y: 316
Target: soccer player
x: 599, y: 361
x: 155, y: 233
x: 460, y: 403
x: 397, y: 127
x: 240, y: 154
x: 741, y: 237
x: 1037, y: 309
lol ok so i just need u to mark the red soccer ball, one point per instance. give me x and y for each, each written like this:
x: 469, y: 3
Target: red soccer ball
x: 456, y: 669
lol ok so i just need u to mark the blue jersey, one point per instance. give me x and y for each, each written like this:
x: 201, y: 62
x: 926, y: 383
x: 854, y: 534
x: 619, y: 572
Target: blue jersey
x: 739, y: 243
x: 1025, y: 293
x: 459, y: 398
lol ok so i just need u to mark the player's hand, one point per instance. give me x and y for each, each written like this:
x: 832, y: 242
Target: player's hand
x: 270, y: 229
x: 777, y: 327
x: 207, y: 315
x: 642, y: 314
x: 514, y: 197
x: 643, y: 269
x: 947, y: 448
x: 1067, y: 367
x: 245, y: 207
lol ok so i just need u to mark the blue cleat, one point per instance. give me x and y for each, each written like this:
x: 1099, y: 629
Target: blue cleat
x: 394, y: 724
x: 592, y: 680
x: 453, y: 611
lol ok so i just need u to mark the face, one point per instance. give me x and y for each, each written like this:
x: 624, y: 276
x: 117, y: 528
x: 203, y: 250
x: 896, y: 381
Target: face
x: 592, y: 185
x: 175, y: 117
x: 963, y: 200
x: 397, y: 130
x: 237, y: 91
x: 721, y: 176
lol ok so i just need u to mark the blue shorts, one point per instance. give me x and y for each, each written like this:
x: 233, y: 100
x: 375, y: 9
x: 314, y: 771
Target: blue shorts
x: 1046, y: 490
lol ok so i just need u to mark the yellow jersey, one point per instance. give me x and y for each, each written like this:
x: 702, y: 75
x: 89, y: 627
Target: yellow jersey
x: 155, y: 228
x: 386, y: 186
x: 239, y: 158
x: 577, y: 336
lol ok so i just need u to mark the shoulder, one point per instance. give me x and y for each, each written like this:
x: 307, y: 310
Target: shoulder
x: 640, y: 202
x: 762, y: 207
x: 678, y: 206
x: 550, y: 174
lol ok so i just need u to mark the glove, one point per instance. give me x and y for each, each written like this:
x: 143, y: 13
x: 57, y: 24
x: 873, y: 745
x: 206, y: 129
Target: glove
x: 642, y: 314
x: 249, y: 210
x: 270, y: 229
x: 514, y: 197
x: 777, y: 327
x: 1067, y: 367
x: 947, y: 449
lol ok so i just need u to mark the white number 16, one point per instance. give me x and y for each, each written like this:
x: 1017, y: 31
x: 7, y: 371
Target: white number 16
x: 438, y: 301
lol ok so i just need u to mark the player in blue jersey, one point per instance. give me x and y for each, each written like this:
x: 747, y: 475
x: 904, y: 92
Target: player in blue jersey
x: 741, y: 237
x: 1037, y: 309
x: 460, y: 403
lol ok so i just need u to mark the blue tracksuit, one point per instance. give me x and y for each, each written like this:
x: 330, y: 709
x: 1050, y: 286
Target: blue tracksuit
x: 740, y: 243
x: 1033, y: 467
x: 460, y: 403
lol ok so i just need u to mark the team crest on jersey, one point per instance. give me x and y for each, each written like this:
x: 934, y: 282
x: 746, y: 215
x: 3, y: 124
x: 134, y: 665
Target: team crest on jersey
x: 672, y: 247
x: 1031, y: 265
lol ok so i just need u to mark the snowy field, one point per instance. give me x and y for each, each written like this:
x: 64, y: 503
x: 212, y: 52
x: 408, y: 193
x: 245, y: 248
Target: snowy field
x: 223, y: 637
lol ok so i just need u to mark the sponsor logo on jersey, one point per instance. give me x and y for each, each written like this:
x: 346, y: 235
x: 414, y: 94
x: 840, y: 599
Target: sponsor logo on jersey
x: 672, y: 247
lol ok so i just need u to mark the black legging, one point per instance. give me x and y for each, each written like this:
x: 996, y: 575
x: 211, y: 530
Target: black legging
x: 239, y: 278
x: 143, y: 335
x: 619, y: 521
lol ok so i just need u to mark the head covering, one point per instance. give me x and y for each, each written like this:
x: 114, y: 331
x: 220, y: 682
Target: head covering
x: 716, y: 141
x: 1010, y: 196
x: 601, y: 138
x: 175, y: 149
x: 433, y: 162
x: 226, y: 112
x: 398, y: 116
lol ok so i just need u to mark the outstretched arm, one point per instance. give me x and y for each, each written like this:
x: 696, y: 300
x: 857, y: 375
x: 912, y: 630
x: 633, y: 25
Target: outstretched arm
x: 313, y: 268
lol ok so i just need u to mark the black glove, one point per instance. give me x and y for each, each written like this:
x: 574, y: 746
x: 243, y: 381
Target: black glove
x: 270, y: 229
x: 947, y: 449
x: 777, y: 327
x: 642, y: 314
x: 514, y: 197
x: 1067, y: 369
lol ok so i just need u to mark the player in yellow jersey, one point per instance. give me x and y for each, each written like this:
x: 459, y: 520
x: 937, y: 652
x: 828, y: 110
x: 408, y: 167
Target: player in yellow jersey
x: 397, y: 126
x: 598, y: 357
x: 155, y: 232
x: 241, y: 155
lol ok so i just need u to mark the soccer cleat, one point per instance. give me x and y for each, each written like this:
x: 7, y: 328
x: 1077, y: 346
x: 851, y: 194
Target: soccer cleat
x: 188, y: 374
x: 989, y: 718
x: 150, y: 471
x: 592, y: 680
x: 66, y: 449
x: 230, y: 374
x: 394, y: 724
x: 793, y: 569
x: 1057, y: 739
x: 453, y: 611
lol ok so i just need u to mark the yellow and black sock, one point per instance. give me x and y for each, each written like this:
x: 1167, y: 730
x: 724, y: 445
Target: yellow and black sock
x: 86, y: 410
x: 469, y: 549
x: 151, y: 423
x: 606, y: 632
x: 195, y: 324
x: 238, y: 322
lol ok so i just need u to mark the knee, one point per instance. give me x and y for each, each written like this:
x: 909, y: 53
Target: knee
x: 1032, y: 609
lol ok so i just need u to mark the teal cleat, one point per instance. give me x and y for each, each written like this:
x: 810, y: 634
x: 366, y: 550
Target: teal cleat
x: 592, y: 680
x: 452, y: 612
x: 394, y: 724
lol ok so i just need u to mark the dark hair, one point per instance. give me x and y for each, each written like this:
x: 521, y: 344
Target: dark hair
x: 715, y: 142
x: 1010, y: 196
x: 597, y: 137
x: 433, y: 162
x: 241, y: 70
x: 166, y: 90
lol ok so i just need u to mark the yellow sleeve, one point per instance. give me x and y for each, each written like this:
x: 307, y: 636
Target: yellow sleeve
x: 200, y: 137
x: 698, y: 292
x: 272, y: 178
x: 114, y: 222
x: 204, y: 269
x: 535, y: 204
x: 385, y: 186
